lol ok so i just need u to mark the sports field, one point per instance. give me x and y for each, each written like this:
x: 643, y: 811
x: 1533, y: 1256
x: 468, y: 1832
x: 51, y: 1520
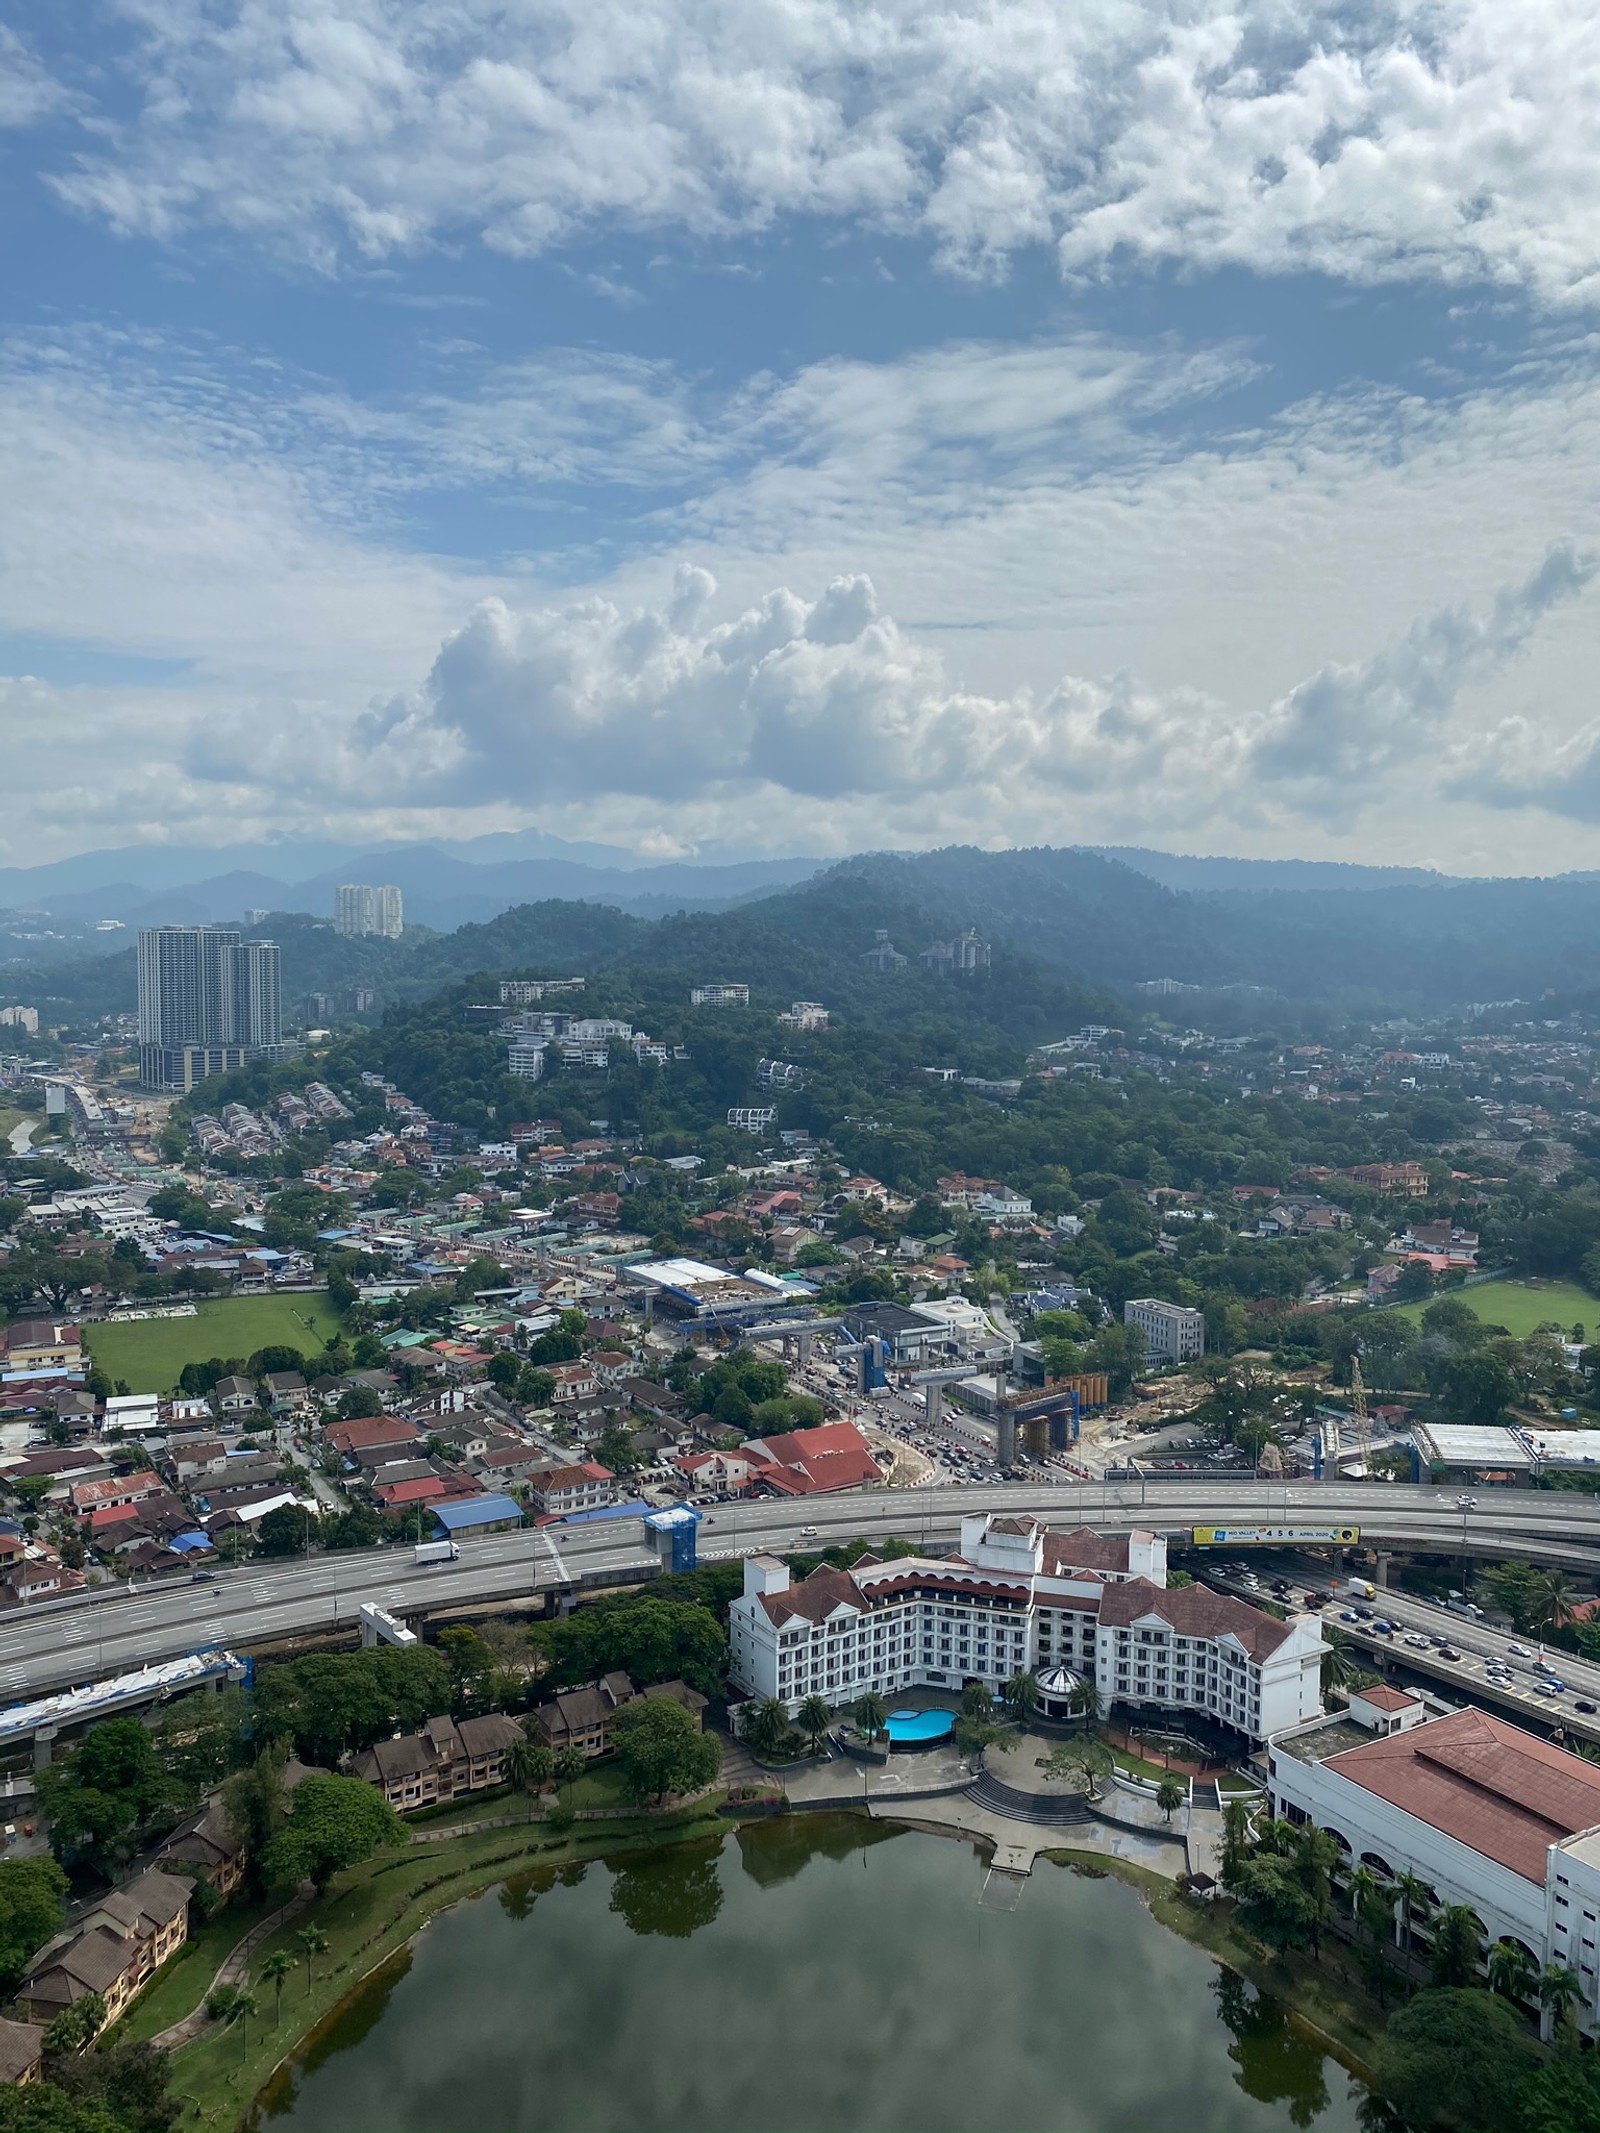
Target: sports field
x: 150, y: 1352
x: 1519, y: 1306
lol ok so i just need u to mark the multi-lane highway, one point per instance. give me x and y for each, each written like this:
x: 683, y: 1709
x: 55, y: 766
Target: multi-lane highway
x: 60, y: 1642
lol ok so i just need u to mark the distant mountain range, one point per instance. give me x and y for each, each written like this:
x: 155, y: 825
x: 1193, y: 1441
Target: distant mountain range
x: 1354, y: 939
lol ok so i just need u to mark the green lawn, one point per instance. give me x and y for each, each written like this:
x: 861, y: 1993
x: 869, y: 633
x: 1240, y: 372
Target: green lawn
x: 150, y: 1352
x: 1519, y: 1306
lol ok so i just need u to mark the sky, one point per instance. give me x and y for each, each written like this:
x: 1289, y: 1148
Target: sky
x: 794, y: 427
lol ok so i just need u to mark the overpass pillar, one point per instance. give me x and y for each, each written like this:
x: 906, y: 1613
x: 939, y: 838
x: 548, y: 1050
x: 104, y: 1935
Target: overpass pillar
x: 935, y: 1406
x: 44, y: 1741
x: 1381, y: 1575
x: 803, y: 1341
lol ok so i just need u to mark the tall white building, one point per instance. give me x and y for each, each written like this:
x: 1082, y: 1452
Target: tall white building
x: 1021, y: 1598
x: 360, y: 909
x: 1483, y: 1813
x: 1172, y: 1332
x: 206, y: 999
x: 719, y: 996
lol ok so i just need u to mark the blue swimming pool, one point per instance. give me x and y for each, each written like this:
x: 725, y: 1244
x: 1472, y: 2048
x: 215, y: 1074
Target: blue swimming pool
x: 918, y: 1728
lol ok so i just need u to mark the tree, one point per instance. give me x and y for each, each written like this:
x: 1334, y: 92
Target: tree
x: 529, y: 1765
x: 814, y: 1716
x: 660, y: 1749
x: 1559, y: 1992
x: 357, y: 1402
x: 76, y: 2027
x: 287, y: 1531
x: 1457, y: 1936
x: 1086, y: 1754
x: 334, y: 1822
x: 976, y: 1702
x: 765, y: 1725
x: 1454, y: 2056
x: 1365, y: 1890
x: 571, y: 1763
x: 1274, y: 1899
x: 1170, y: 1796
x: 32, y: 1897
x: 871, y: 1715
x: 1083, y: 1701
x: 1339, y: 1668
x: 1020, y: 1695
x: 1554, y: 1600
x: 1513, y: 1973
x: 276, y: 1969
x: 313, y: 1942
x: 1413, y: 1900
x: 643, y: 1635
x: 1235, y: 1839
x: 101, y: 1796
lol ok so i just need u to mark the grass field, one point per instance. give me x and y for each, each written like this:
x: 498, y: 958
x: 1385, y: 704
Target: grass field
x: 149, y: 1353
x: 1519, y: 1306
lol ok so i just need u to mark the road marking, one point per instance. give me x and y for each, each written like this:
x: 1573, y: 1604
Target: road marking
x: 555, y: 1556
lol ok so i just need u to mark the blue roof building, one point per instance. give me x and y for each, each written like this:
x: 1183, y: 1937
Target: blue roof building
x: 476, y: 1514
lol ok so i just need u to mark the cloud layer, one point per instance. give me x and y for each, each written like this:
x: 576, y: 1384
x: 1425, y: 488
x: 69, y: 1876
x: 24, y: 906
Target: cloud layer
x: 1453, y: 140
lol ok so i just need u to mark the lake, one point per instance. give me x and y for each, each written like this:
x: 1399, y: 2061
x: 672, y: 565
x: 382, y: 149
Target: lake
x: 812, y: 1973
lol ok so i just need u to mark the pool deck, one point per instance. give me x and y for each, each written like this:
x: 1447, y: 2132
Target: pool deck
x: 929, y: 1787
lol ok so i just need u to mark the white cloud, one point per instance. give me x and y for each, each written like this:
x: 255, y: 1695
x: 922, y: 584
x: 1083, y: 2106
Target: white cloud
x: 1456, y: 139
x: 28, y: 92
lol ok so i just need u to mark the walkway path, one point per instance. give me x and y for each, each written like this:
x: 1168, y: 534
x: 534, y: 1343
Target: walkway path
x: 235, y: 1966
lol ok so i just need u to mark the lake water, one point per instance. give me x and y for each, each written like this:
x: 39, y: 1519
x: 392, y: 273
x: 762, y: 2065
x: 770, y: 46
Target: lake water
x: 801, y: 1976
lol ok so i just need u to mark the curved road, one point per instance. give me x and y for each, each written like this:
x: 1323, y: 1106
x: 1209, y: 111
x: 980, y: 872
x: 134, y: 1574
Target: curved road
x: 87, y: 1636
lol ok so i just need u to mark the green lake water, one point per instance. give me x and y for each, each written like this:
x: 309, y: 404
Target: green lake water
x: 802, y: 1976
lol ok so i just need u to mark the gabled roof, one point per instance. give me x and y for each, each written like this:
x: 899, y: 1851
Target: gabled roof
x: 1193, y: 1611
x: 815, y: 1598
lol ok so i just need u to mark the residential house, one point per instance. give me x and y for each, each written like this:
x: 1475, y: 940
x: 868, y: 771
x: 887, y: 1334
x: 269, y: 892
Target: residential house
x: 91, y: 1496
x: 558, y: 1491
x: 21, y: 2045
x: 234, y: 1396
x: 584, y: 1718
x: 41, y: 1344
x: 114, y: 1948
x: 573, y: 1382
x: 206, y: 1845
x: 812, y: 1462
x: 446, y: 1760
x: 718, y: 1472
x: 287, y: 1392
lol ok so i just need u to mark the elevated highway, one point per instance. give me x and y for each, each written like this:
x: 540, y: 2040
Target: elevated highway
x: 54, y: 1644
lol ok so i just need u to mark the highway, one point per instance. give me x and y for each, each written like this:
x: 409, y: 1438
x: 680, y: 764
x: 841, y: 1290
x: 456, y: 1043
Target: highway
x: 53, y: 1644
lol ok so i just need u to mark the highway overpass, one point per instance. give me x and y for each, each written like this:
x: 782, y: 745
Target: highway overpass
x: 52, y: 1644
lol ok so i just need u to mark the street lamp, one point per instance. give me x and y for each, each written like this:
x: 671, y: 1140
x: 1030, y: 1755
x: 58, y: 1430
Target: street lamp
x: 1465, y: 1504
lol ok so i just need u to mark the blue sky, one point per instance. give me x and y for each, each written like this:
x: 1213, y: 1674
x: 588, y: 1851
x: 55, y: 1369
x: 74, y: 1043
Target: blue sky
x: 803, y: 427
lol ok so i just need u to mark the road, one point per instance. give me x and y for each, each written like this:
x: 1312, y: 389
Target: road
x: 57, y: 1643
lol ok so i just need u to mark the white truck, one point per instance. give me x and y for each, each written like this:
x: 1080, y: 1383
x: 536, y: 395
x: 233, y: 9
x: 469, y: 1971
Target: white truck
x: 436, y: 1552
x: 1363, y: 1589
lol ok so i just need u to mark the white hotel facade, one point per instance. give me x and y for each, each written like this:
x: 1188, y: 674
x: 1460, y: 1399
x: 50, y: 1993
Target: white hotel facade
x: 1019, y: 1598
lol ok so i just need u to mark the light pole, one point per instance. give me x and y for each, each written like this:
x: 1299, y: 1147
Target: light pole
x: 1466, y: 1505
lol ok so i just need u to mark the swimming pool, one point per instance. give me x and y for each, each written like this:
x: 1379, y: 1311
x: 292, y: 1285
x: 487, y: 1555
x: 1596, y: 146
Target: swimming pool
x: 918, y: 1729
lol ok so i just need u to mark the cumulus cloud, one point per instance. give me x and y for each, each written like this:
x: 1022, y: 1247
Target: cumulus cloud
x: 1458, y: 140
x: 829, y: 701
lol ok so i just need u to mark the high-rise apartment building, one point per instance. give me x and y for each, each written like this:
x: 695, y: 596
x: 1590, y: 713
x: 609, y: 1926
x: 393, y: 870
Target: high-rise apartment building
x: 359, y: 909
x: 206, y: 999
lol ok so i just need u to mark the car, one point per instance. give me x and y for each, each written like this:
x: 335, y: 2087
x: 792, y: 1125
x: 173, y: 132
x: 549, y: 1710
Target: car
x: 1416, y: 1642
x: 1552, y: 1685
x: 1519, y: 1651
x: 808, y: 1532
x: 1448, y: 1651
x: 1383, y: 1629
x: 1582, y: 1703
x: 202, y: 1577
x: 1348, y: 1614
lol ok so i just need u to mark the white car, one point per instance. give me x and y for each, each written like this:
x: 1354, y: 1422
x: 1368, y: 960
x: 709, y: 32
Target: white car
x: 1519, y: 1651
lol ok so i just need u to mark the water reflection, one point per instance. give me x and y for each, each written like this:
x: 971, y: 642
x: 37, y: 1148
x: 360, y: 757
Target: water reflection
x: 905, y: 2007
x: 1277, y: 2061
x: 674, y: 1893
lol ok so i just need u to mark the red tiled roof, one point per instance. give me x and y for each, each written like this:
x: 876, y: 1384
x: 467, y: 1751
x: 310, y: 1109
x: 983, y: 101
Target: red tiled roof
x: 1084, y: 1550
x: 1193, y: 1611
x: 1383, y: 1698
x: 1502, y: 1792
x: 815, y: 1597
x: 810, y: 1462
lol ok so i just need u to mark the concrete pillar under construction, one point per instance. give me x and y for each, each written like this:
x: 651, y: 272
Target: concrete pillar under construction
x: 1006, y: 1426
x: 44, y: 1742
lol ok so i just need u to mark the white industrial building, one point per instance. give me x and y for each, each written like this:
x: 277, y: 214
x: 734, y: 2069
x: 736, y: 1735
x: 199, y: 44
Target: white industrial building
x: 1172, y: 1332
x: 1017, y: 1598
x: 1483, y: 1813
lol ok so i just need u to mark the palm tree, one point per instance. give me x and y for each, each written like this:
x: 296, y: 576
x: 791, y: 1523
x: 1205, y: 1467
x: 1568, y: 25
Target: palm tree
x: 1457, y: 1938
x: 1170, y: 1796
x: 1559, y: 1992
x: 872, y: 1716
x: 1512, y: 1970
x: 570, y: 1764
x: 1413, y: 1899
x: 1365, y: 1889
x: 313, y: 1942
x: 1338, y: 1667
x: 528, y: 1766
x: 765, y: 1725
x: 1020, y: 1695
x: 1235, y: 1838
x: 813, y: 1717
x: 244, y: 2006
x: 1553, y: 1600
x: 1083, y: 1701
x: 275, y: 1968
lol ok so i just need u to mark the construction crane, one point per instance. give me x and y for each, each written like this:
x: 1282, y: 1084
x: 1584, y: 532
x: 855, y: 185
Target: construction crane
x: 1359, y: 1420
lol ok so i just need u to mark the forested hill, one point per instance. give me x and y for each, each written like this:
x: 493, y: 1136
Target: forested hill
x: 1071, y: 928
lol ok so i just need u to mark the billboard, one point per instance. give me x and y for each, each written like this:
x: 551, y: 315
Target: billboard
x: 1271, y: 1536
